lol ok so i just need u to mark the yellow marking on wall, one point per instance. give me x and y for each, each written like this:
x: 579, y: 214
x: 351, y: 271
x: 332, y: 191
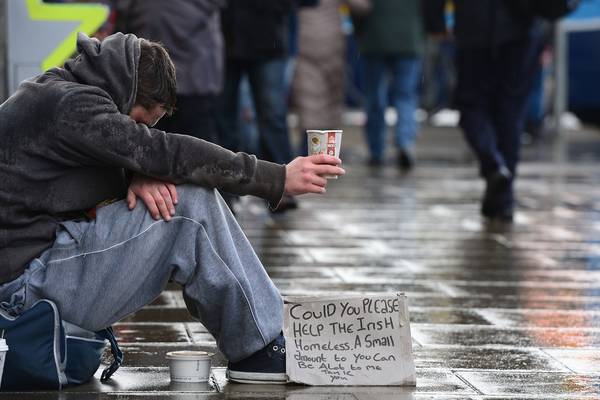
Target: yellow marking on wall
x: 92, y: 16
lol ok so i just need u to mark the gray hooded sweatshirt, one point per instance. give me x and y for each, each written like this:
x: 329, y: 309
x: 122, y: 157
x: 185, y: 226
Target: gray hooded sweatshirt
x: 66, y: 142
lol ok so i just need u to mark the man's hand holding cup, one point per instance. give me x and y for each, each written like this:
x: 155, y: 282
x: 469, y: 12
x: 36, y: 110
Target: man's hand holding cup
x: 306, y: 174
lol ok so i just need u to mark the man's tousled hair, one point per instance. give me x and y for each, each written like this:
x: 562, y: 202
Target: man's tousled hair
x: 157, y: 83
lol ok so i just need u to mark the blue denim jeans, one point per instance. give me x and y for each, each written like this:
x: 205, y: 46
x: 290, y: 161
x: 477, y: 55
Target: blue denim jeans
x: 269, y: 93
x: 395, y: 79
x: 100, y: 271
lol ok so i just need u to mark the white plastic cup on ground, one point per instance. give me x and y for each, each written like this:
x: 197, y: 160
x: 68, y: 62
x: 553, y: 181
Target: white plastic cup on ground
x: 189, y: 366
x: 3, y: 351
x: 325, y: 142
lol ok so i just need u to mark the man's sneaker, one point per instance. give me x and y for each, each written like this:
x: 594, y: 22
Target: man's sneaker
x: 266, y: 366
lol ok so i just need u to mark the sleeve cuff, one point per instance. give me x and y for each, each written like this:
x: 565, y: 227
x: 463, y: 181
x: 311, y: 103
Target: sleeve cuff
x: 274, y: 186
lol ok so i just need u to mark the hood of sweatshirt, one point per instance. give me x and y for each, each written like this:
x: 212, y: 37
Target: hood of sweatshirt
x: 111, y: 65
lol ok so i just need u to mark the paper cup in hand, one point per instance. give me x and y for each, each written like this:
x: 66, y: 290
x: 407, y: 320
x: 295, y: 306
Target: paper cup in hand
x: 3, y: 351
x: 324, y: 142
x: 189, y: 366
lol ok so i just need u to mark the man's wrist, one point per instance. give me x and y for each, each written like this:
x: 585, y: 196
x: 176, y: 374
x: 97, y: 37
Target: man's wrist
x: 270, y: 181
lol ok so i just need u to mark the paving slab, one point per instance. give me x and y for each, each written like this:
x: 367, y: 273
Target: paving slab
x: 490, y: 335
x: 492, y: 358
x: 583, y: 361
x: 543, y: 318
x: 132, y: 332
x: 542, y: 384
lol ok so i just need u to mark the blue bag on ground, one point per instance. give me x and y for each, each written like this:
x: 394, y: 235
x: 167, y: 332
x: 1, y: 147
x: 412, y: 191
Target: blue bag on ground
x: 45, y: 352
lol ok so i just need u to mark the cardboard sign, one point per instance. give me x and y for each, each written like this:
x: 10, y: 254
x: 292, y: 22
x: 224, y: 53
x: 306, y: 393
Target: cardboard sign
x: 362, y: 340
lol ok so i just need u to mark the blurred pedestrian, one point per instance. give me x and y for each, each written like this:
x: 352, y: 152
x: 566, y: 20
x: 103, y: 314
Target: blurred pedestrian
x: 319, y: 79
x: 256, y: 42
x: 391, y: 40
x: 439, y: 74
x: 496, y: 58
x: 537, y: 109
x: 191, y: 31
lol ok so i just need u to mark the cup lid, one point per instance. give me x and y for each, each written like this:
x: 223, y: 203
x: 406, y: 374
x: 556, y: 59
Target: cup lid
x: 189, y: 355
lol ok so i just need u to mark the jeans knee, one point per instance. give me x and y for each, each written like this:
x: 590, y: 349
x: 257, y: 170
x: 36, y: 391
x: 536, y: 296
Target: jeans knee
x: 192, y: 197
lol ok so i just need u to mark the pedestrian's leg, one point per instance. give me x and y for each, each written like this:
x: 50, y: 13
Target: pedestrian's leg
x: 406, y: 76
x: 431, y: 59
x: 194, y: 116
x: 267, y: 81
x: 269, y: 92
x: 446, y: 74
x: 227, y: 107
x: 376, y: 97
x: 534, y: 117
x: 475, y: 87
x: 228, y: 130
x: 309, y: 98
x: 516, y: 72
x: 103, y: 270
x: 247, y: 127
x: 318, y: 95
x: 515, y: 68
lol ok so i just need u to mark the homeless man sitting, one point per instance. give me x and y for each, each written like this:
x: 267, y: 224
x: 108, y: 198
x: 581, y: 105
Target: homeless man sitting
x: 77, y: 136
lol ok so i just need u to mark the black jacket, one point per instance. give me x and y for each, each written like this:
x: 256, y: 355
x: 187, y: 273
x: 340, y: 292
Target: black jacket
x: 66, y: 141
x: 480, y: 23
x: 256, y: 29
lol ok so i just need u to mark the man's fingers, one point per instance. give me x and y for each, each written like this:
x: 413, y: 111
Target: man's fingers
x: 312, y: 188
x: 162, y: 205
x: 150, y: 203
x: 317, y: 180
x: 131, y: 199
x: 173, y: 190
x: 166, y: 195
x: 325, y: 169
x: 325, y: 159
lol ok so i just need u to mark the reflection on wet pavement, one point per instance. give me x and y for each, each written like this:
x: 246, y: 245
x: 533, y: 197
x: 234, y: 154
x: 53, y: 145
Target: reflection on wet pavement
x: 502, y: 312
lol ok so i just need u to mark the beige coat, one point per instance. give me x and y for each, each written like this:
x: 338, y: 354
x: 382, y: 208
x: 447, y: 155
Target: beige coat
x: 318, y: 86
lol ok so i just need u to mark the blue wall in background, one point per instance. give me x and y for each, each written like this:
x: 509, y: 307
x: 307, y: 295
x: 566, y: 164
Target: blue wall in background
x: 584, y: 64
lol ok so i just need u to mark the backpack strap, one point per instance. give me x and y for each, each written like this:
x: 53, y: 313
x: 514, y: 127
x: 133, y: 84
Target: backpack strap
x: 117, y: 354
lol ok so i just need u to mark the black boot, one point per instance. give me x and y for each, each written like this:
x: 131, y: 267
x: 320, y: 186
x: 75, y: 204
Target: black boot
x: 498, y: 202
x: 406, y: 160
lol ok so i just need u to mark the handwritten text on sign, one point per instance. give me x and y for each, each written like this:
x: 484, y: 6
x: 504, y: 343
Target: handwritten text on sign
x: 356, y: 341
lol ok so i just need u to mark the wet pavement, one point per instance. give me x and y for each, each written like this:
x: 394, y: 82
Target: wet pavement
x: 497, y: 311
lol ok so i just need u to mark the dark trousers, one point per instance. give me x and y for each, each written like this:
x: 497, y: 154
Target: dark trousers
x: 492, y: 90
x: 194, y: 116
x: 269, y: 93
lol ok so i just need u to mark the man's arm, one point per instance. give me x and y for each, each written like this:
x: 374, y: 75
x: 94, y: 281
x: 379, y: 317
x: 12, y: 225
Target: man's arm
x: 302, y: 175
x: 91, y: 131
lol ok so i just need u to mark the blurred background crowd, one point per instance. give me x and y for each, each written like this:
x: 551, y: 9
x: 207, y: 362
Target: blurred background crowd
x: 254, y: 75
